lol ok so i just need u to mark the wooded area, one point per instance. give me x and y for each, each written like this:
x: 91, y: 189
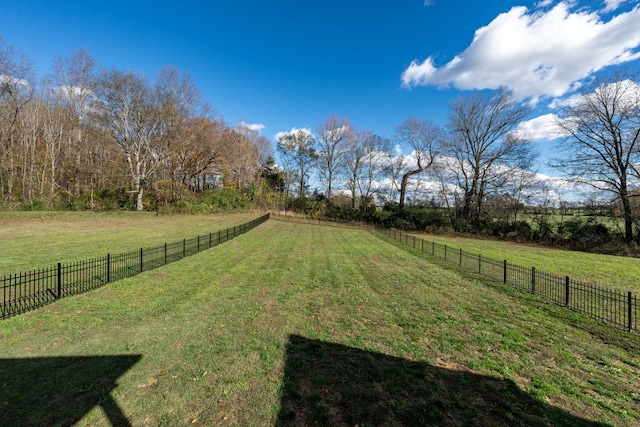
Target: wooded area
x: 86, y: 137
x: 83, y: 134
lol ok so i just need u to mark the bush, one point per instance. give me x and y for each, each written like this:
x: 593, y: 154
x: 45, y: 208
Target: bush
x: 583, y: 234
x: 224, y: 199
x: 409, y: 218
x: 114, y: 198
x: 33, y: 205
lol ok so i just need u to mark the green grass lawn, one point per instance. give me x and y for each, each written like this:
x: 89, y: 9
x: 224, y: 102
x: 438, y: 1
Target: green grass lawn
x: 31, y: 240
x: 596, y: 269
x: 310, y: 325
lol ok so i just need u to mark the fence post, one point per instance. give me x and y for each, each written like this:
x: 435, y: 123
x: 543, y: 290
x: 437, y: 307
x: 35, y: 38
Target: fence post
x: 505, y: 272
x: 566, y: 291
x: 184, y: 248
x: 533, y: 280
x: 165, y: 253
x: 141, y: 260
x: 219, y: 236
x: 422, y: 245
x: 479, y: 263
x: 198, y: 243
x: 59, y: 280
x: 433, y: 248
x: 209, y: 240
x: 629, y: 311
x: 445, y: 252
x: 108, y: 268
x: 460, y: 257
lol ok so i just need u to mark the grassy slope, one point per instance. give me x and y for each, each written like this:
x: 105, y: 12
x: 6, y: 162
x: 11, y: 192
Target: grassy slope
x: 606, y: 270
x: 294, y: 324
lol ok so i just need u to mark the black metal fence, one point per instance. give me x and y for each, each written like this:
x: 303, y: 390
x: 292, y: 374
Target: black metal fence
x: 613, y: 306
x: 325, y: 222
x: 27, y: 291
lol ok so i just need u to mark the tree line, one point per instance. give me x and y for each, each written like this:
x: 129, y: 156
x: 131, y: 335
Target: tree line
x: 88, y: 137
x: 480, y: 167
x: 85, y: 134
x: 472, y: 162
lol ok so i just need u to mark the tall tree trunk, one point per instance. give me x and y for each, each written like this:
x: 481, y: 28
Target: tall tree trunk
x: 628, y: 215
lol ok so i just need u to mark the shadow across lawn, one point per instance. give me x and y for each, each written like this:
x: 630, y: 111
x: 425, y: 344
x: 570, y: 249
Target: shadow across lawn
x: 329, y: 384
x: 60, y: 391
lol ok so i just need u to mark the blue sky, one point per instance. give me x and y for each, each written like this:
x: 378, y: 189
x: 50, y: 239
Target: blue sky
x: 284, y: 64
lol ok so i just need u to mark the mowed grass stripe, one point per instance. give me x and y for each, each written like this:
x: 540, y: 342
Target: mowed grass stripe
x: 596, y: 269
x: 214, y: 332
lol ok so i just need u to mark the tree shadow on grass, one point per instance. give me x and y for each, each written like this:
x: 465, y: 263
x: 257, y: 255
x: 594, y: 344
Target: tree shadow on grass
x: 60, y: 391
x: 329, y: 384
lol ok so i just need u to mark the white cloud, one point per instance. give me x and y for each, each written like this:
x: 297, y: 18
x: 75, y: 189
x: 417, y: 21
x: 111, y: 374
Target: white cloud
x: 535, y: 54
x: 256, y: 127
x: 11, y: 80
x: 293, y: 131
x: 611, y: 5
x: 544, y: 3
x: 336, y: 133
x: 543, y: 127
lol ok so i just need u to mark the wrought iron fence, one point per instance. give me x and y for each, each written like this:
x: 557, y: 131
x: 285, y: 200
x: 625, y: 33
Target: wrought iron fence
x: 27, y: 291
x: 610, y: 305
x: 30, y: 290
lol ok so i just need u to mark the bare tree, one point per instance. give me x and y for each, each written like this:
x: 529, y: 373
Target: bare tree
x: 261, y: 143
x: 190, y: 142
x: 75, y: 80
x: 129, y: 111
x: 16, y: 92
x: 425, y: 139
x: 332, y: 136
x: 298, y: 156
x: 191, y: 157
x: 241, y: 158
x: 365, y: 162
x: 484, y: 147
x: 58, y: 126
x: 603, y: 146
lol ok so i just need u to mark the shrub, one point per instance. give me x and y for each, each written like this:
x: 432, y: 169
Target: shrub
x: 33, y: 205
x: 585, y: 233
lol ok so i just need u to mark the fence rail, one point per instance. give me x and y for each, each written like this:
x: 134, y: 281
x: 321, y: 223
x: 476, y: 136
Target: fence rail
x: 31, y: 290
x: 325, y: 222
x: 613, y: 306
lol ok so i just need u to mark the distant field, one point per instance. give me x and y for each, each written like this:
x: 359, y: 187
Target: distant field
x: 30, y: 240
x: 309, y: 325
x: 607, y: 270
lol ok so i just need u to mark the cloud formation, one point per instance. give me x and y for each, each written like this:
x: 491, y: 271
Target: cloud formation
x: 611, y: 5
x: 293, y: 131
x: 256, y: 127
x: 540, y: 128
x: 536, y: 53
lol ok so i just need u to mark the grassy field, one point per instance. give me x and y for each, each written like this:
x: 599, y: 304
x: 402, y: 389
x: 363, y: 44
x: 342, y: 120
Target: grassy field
x: 606, y: 270
x: 309, y: 325
x: 31, y: 240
